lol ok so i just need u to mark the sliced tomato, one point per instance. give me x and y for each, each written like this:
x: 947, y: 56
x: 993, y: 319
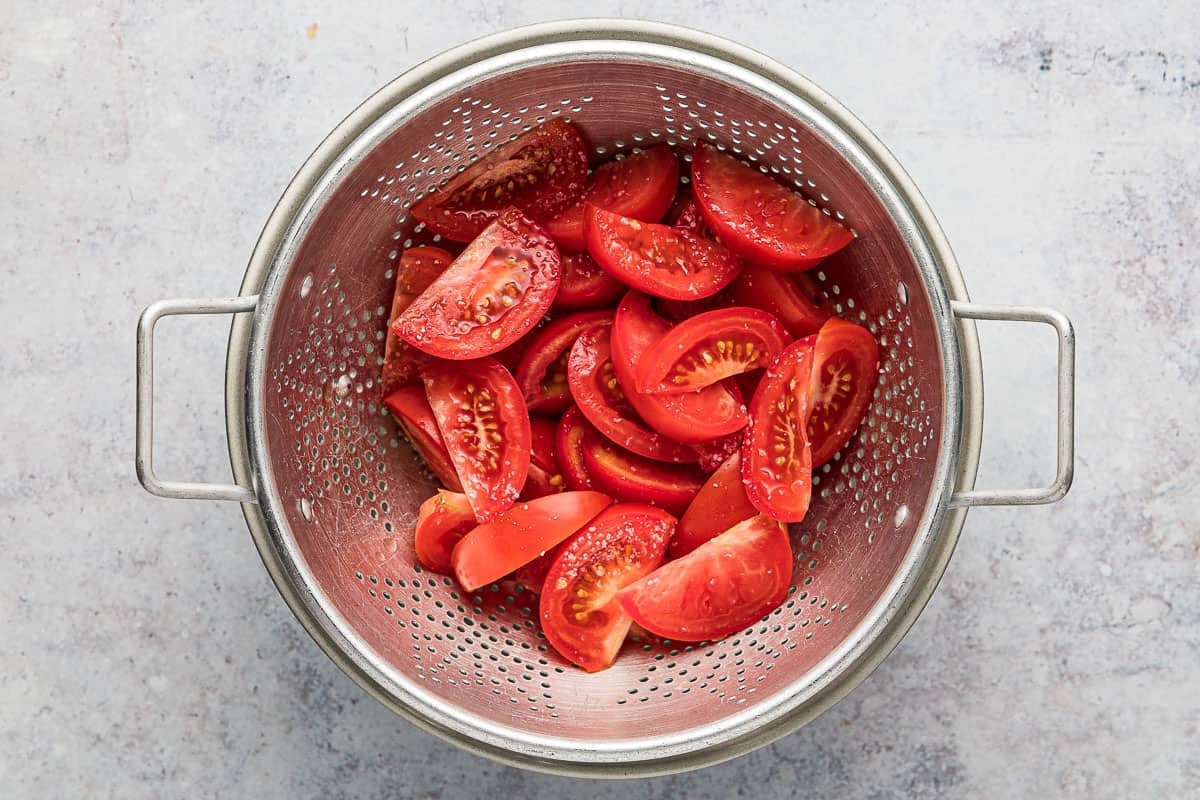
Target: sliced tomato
x: 584, y: 284
x: 442, y: 521
x: 685, y: 214
x: 716, y: 452
x: 598, y: 395
x: 693, y: 417
x: 845, y: 369
x: 759, y: 218
x: 541, y: 172
x: 418, y: 268
x: 789, y: 300
x: 579, y: 610
x: 542, y: 371
x: 724, y: 585
x: 630, y: 477
x: 485, y: 426
x: 544, y: 477
x: 522, y: 533
x: 533, y: 575
x: 493, y: 294
x: 776, y: 457
x: 720, y: 504
x: 411, y: 409
x: 572, y: 428
x: 658, y: 259
x: 710, y: 347
x: 641, y: 186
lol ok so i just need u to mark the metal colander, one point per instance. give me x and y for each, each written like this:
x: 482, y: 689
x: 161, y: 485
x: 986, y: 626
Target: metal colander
x: 330, y: 489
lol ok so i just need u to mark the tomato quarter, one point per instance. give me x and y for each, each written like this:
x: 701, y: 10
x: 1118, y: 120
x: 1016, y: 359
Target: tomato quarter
x: 418, y: 268
x: 584, y: 284
x: 789, y: 300
x: 628, y: 476
x: 412, y: 412
x: 542, y: 371
x: 720, y: 504
x: 442, y: 521
x: 545, y: 477
x: 845, y: 369
x: 569, y: 436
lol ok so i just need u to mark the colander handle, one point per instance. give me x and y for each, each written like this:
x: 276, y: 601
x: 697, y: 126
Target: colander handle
x: 1066, y: 406
x: 144, y: 451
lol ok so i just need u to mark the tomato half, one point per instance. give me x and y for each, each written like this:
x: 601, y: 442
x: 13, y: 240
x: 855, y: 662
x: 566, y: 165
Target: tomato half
x: 641, y: 186
x: 418, y: 268
x: 485, y: 426
x: 498, y: 289
x: 579, y: 610
x: 760, y: 219
x: 544, y: 476
x: 724, y: 585
x: 710, y: 347
x: 411, y: 409
x: 572, y: 428
x: 658, y: 259
x: 522, y: 533
x: 442, y: 521
x: 598, y: 394
x: 542, y: 371
x: 584, y: 284
x: 789, y: 300
x: 630, y: 477
x: 693, y: 417
x: 776, y: 457
x: 720, y: 504
x: 541, y: 172
x: 845, y: 369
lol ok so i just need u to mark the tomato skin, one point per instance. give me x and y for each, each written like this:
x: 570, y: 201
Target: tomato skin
x: 584, y: 284
x: 720, y: 504
x: 520, y: 534
x: 442, y: 521
x: 781, y: 295
x: 845, y: 370
x: 495, y: 292
x: 572, y: 428
x: 410, y: 407
x: 485, y: 425
x: 545, y: 360
x: 657, y: 259
x: 541, y: 172
x: 418, y: 268
x: 776, y: 456
x: 544, y: 476
x: 759, y: 218
x: 716, y: 452
x: 579, y: 610
x: 686, y: 215
x: 633, y: 478
x: 723, y: 586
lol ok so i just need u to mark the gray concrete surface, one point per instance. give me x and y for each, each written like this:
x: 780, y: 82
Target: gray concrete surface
x: 145, y: 652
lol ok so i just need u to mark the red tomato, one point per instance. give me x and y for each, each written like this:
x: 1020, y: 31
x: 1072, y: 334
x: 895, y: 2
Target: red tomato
x: 598, y: 394
x: 580, y: 613
x: 716, y: 452
x: 686, y: 215
x: 720, y: 504
x: 724, y: 585
x: 418, y: 268
x: 781, y: 295
x: 710, y: 347
x: 493, y: 294
x: 541, y: 173
x: 533, y: 575
x: 520, y: 534
x: 584, y: 284
x: 442, y: 521
x: 628, y: 476
x: 641, y: 186
x: 658, y: 259
x: 569, y: 436
x: 544, y: 477
x: 412, y: 412
x: 845, y: 368
x: 760, y: 219
x: 693, y: 417
x: 542, y: 371
x: 485, y: 426
x: 776, y: 457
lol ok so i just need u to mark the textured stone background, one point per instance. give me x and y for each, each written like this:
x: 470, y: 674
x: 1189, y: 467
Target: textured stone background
x: 145, y: 652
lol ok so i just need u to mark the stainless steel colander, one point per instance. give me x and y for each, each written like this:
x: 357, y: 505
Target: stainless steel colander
x: 330, y: 489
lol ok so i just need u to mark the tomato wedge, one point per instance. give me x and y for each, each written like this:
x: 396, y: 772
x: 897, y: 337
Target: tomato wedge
x: 641, y: 185
x: 520, y: 534
x: 412, y: 412
x: 685, y: 214
x: 710, y: 347
x: 628, y: 476
x: 579, y: 610
x: 498, y: 289
x: 720, y: 504
x: 789, y: 300
x: 658, y: 259
x: 716, y: 452
x: 724, y: 585
x: 845, y: 369
x: 758, y: 218
x: 544, y: 476
x: 533, y: 575
x: 442, y: 521
x: 418, y: 268
x: 598, y: 394
x: 572, y: 428
x: 542, y: 371
x: 776, y: 457
x: 485, y: 426
x: 584, y: 284
x: 541, y: 172
x: 693, y: 417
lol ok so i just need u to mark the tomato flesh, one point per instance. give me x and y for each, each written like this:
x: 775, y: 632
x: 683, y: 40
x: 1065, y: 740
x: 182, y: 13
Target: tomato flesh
x: 584, y: 284
x: 579, y: 610
x: 442, y: 521
x: 630, y: 477
x: 572, y: 428
x: 410, y: 407
x: 542, y: 371
x: 545, y: 477
x: 789, y: 300
x: 716, y: 452
x: 845, y: 369
x: 494, y: 293
x: 720, y: 504
x: 418, y: 268
x: 724, y: 585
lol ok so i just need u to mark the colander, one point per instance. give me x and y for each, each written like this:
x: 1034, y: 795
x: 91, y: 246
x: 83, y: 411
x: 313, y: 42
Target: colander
x: 330, y: 489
